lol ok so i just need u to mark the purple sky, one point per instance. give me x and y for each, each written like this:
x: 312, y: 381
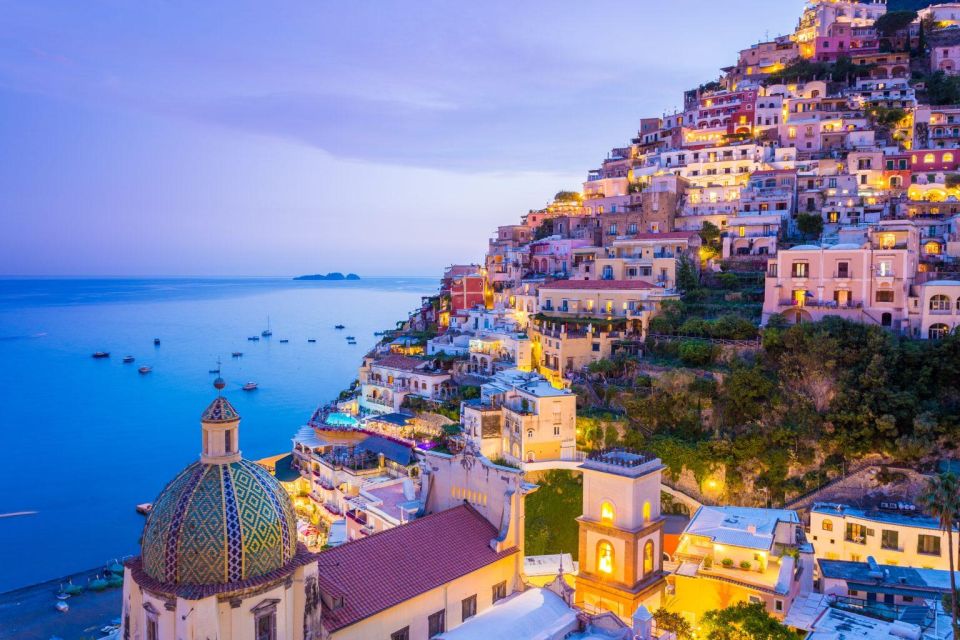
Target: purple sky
x: 227, y: 137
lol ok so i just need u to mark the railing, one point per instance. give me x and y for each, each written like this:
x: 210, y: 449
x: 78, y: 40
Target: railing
x: 821, y: 304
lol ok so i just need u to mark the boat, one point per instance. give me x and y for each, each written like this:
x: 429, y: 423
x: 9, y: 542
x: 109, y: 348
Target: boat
x: 156, y: 342
x: 284, y: 341
x: 266, y: 333
x: 98, y: 584
x: 145, y: 370
x: 311, y: 339
x: 237, y: 354
x: 379, y: 333
x: 145, y: 508
x: 339, y: 326
x: 73, y: 589
x: 62, y: 606
x: 253, y: 338
x: 350, y: 338
x: 250, y: 386
x: 214, y: 371
x: 99, y: 355
x: 128, y: 359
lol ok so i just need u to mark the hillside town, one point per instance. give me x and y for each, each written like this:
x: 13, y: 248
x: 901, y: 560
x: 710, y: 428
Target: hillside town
x: 714, y: 389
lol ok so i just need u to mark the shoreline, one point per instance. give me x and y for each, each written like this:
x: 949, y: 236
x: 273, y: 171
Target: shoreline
x: 28, y: 613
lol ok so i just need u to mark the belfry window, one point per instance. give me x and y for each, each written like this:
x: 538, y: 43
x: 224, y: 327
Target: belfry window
x: 605, y: 557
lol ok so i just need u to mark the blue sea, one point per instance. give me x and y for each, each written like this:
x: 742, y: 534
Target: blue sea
x: 82, y: 441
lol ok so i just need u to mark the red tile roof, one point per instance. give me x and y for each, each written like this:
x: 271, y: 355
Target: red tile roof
x: 388, y: 568
x: 597, y: 285
x: 397, y: 361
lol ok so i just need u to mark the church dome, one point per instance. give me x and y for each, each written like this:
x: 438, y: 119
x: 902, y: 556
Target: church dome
x: 219, y: 523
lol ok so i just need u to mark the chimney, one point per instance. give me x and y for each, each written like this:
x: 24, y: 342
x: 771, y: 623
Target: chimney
x: 642, y: 624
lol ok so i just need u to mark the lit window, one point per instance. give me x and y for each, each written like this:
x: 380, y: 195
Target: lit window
x: 828, y: 525
x: 648, y: 557
x: 606, y: 513
x: 605, y: 557
x: 948, y: 157
x: 646, y: 512
x: 929, y: 158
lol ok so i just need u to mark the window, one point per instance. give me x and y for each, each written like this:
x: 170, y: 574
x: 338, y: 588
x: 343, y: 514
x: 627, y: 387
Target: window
x: 402, y: 634
x: 929, y: 158
x: 938, y: 331
x: 228, y: 441
x: 648, y: 558
x: 853, y: 593
x: 885, y: 295
x: 153, y: 632
x: 468, y: 607
x: 529, y: 433
x: 556, y: 431
x: 890, y: 539
x: 499, y: 591
x: 799, y: 270
x: 843, y: 269
x: 828, y: 525
x: 928, y: 545
x: 436, y: 624
x: 940, y: 303
x: 646, y: 511
x: 856, y: 533
x: 778, y: 606
x: 607, y: 512
x: 266, y: 626
x: 604, y: 557
x: 948, y: 157
x: 755, y: 599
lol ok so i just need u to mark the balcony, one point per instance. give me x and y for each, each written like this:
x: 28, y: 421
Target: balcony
x: 821, y: 304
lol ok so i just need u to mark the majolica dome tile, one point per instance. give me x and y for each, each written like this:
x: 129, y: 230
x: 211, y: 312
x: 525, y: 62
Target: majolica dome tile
x: 218, y: 524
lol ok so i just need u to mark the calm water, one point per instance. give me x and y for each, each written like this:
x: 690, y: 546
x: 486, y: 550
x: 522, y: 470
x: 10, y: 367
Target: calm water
x: 83, y: 440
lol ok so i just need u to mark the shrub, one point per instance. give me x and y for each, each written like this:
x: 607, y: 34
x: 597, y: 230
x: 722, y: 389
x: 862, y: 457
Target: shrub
x: 696, y: 353
x: 727, y: 280
x: 727, y: 562
x: 746, y: 565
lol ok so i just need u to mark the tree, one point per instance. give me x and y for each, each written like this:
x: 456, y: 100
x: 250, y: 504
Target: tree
x: 567, y: 196
x: 696, y: 353
x: 710, y: 238
x: 745, y: 622
x: 674, y: 623
x: 687, y: 279
x: 810, y: 225
x: 889, y: 24
x: 942, y: 500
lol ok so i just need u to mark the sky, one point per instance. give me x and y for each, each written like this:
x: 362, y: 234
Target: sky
x: 382, y: 137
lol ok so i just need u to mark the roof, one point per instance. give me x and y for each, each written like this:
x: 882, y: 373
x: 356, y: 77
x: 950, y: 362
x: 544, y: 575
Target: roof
x: 398, y: 419
x: 393, y: 566
x: 402, y: 363
x: 549, y: 565
x: 894, y: 577
x: 220, y: 410
x: 745, y: 527
x: 284, y: 471
x: 836, y: 624
x: 670, y: 235
x: 597, y: 285
x: 391, y: 450
x: 531, y: 615
x: 889, y: 517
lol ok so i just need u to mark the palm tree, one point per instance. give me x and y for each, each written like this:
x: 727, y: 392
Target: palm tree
x: 942, y: 500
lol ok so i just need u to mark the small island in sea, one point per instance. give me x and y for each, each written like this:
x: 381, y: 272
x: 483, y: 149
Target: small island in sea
x: 333, y: 275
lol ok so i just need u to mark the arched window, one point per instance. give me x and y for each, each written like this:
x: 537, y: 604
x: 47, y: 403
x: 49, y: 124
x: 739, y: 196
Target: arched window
x: 828, y: 525
x: 940, y: 303
x: 607, y: 512
x: 932, y: 248
x: 529, y: 433
x: 938, y: 331
x: 929, y: 158
x: 646, y: 511
x: 648, y: 558
x: 948, y: 157
x: 604, y: 557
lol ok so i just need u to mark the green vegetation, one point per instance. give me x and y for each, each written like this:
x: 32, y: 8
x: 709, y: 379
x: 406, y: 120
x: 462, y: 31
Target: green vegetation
x: 942, y: 89
x: 745, y: 622
x: 807, y: 70
x: 888, y: 25
x: 674, y: 623
x: 710, y: 237
x: 810, y: 224
x: 567, y: 196
x: 551, y: 513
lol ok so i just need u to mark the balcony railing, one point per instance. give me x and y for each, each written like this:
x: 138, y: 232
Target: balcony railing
x: 821, y: 304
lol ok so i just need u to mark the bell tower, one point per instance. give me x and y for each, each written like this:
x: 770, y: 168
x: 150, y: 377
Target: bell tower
x: 220, y: 425
x: 621, y: 533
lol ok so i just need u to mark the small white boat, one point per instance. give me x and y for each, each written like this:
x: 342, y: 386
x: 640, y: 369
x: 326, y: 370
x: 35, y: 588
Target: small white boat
x: 254, y: 338
x: 237, y: 354
x: 128, y: 359
x: 145, y: 370
x: 62, y: 606
x: 250, y: 386
x: 145, y: 508
x: 266, y: 333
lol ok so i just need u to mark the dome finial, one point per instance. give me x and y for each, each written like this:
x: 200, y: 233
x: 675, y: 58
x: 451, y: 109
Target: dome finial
x: 219, y: 383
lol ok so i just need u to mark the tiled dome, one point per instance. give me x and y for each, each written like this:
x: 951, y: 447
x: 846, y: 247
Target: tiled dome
x: 219, y: 524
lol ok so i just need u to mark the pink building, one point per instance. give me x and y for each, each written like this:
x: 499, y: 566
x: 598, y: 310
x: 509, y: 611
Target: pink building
x: 554, y: 255
x: 868, y: 282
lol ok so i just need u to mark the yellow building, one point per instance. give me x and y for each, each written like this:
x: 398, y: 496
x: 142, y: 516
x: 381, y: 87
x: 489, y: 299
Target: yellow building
x: 730, y: 555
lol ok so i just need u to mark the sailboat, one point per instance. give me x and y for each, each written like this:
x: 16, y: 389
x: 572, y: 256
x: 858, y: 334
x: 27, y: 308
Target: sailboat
x: 266, y: 333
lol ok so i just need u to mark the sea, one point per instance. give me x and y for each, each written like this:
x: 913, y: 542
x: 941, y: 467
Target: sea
x: 84, y: 440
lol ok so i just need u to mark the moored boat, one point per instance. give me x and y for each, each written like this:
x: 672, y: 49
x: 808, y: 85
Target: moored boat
x: 145, y: 508
x: 284, y: 341
x: 128, y: 359
x: 237, y: 354
x: 145, y: 370
x: 156, y: 341
x: 250, y: 386
x: 311, y: 339
x: 99, y: 355
x: 266, y: 333
x: 62, y: 606
x: 339, y: 326
x: 253, y: 338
